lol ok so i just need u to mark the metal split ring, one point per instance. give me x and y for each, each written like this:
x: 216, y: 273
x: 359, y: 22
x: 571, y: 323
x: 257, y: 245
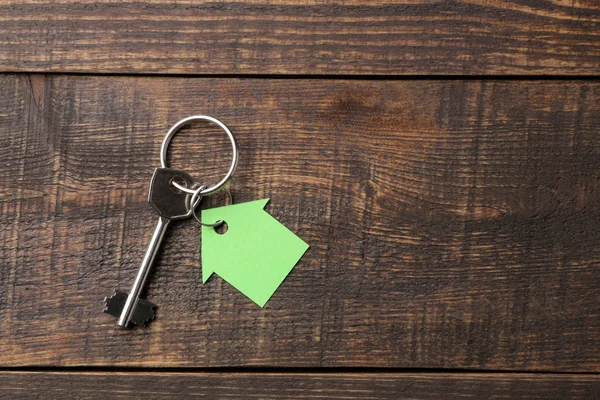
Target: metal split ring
x: 206, y: 190
x: 195, y: 201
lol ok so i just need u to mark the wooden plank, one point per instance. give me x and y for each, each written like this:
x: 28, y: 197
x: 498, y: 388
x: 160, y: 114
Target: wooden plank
x: 162, y: 385
x: 417, y: 37
x: 452, y: 224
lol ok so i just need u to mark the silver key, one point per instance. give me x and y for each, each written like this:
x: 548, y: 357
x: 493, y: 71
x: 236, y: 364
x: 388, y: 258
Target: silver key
x: 170, y: 204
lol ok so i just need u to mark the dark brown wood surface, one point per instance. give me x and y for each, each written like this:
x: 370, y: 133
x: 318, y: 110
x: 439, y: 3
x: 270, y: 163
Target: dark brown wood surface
x: 452, y: 216
x: 281, y: 386
x: 452, y: 224
x: 417, y: 37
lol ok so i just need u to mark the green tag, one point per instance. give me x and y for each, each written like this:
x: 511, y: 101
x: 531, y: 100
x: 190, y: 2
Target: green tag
x: 255, y: 254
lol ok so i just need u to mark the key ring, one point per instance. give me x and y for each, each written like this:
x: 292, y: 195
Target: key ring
x: 165, y: 146
x: 195, y: 201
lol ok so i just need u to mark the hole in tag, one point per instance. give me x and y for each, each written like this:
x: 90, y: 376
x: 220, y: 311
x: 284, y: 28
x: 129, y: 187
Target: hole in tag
x: 179, y: 180
x: 221, y: 229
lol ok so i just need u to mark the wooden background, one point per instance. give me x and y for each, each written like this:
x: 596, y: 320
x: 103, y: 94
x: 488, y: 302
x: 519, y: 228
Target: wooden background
x: 441, y: 158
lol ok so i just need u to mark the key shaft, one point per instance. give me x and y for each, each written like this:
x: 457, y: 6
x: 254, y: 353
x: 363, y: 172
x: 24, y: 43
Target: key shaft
x: 140, y: 279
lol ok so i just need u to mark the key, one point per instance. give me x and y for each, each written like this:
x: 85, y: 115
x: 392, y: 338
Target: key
x: 170, y: 204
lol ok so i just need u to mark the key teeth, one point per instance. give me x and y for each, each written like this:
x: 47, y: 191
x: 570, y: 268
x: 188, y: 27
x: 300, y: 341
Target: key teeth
x: 113, y: 305
x: 152, y: 315
x: 143, y: 313
x: 106, y: 300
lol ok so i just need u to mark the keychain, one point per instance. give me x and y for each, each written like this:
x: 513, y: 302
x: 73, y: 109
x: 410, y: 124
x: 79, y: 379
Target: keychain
x: 254, y: 255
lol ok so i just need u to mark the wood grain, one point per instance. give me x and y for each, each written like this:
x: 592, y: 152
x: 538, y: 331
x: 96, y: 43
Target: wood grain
x: 281, y: 386
x: 415, y: 37
x: 452, y: 224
